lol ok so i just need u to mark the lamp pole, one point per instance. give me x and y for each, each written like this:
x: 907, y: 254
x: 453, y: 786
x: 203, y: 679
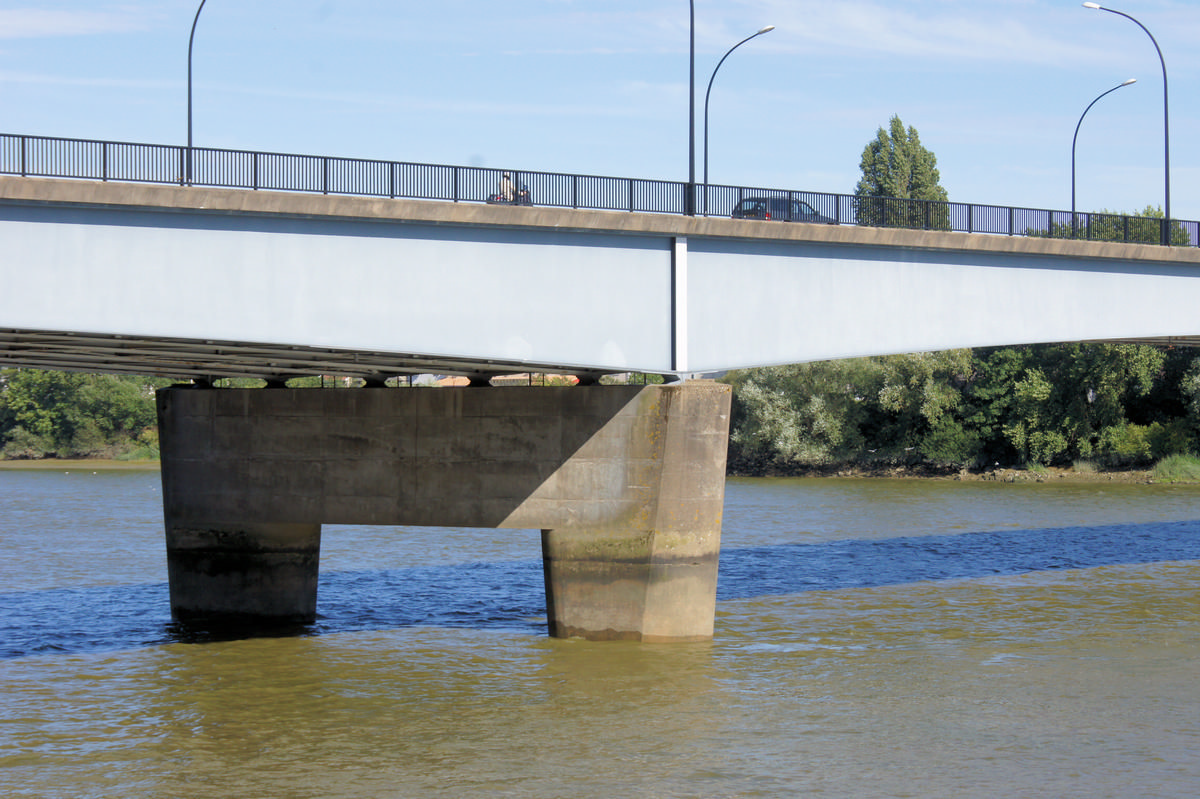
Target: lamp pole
x: 767, y: 29
x: 1166, y: 229
x: 689, y: 199
x: 1076, y: 137
x: 191, y: 38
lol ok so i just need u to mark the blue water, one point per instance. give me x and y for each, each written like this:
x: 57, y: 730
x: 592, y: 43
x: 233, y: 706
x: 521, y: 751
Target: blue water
x: 104, y: 512
x: 873, y: 639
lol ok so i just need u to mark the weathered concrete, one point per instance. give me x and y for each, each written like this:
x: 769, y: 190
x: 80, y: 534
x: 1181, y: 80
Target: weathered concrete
x: 243, y: 571
x: 626, y: 483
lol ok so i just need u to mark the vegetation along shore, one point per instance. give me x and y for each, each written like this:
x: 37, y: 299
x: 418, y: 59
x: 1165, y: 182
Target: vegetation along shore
x: 1083, y: 412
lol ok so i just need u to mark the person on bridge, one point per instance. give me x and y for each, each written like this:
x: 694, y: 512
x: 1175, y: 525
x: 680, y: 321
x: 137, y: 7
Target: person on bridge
x: 507, y: 190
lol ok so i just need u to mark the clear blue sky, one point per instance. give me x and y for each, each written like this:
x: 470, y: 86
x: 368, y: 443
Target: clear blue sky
x: 600, y: 86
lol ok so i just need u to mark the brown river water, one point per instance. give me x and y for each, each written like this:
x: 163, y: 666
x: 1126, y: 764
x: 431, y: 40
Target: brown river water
x: 873, y: 639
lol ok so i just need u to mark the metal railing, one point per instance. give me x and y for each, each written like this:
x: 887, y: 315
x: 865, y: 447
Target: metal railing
x: 41, y: 156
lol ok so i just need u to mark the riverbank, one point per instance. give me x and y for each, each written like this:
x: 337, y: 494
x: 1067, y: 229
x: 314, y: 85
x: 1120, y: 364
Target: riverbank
x: 1046, y: 475
x: 97, y: 464
x: 922, y: 472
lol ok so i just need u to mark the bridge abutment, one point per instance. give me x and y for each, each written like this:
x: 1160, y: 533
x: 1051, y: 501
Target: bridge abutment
x: 626, y: 484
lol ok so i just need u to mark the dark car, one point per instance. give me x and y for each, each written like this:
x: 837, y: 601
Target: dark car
x: 780, y: 209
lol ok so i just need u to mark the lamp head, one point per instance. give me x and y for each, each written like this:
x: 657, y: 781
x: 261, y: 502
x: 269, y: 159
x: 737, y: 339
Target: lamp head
x: 1131, y: 80
x: 1091, y: 5
x: 767, y: 29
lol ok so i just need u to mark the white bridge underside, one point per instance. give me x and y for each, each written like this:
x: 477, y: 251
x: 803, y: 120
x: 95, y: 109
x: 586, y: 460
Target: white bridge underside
x: 195, y: 283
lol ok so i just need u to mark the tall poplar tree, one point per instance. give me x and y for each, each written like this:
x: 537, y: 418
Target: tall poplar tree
x: 896, y: 170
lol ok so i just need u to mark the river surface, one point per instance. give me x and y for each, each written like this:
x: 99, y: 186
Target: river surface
x: 873, y: 639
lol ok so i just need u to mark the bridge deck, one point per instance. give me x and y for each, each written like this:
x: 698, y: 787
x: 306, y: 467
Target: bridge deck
x: 683, y: 314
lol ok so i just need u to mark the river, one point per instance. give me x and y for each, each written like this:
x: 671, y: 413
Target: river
x: 873, y: 639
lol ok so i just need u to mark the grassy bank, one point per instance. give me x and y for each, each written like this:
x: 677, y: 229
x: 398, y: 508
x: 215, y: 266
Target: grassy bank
x: 1178, y: 469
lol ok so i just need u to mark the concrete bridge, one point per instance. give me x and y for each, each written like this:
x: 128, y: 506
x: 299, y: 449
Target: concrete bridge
x: 626, y: 483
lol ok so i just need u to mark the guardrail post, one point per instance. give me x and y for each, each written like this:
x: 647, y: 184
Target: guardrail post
x: 22, y: 157
x: 392, y: 180
x: 254, y: 168
x: 325, y: 175
x: 454, y: 181
x: 575, y: 191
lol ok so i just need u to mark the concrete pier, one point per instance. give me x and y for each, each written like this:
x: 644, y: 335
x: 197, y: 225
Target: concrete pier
x: 626, y: 484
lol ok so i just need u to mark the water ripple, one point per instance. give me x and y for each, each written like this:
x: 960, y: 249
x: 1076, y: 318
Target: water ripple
x: 508, y: 595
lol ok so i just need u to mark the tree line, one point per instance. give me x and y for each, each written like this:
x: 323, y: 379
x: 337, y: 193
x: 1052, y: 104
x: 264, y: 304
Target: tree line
x: 1111, y: 405
x: 50, y: 414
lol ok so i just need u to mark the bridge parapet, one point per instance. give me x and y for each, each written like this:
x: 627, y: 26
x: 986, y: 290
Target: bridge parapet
x: 139, y: 196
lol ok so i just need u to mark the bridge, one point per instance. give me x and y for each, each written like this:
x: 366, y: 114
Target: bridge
x: 625, y: 482
x: 206, y: 283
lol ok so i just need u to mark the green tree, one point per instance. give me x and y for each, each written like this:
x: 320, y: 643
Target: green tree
x: 808, y: 413
x: 1070, y: 402
x: 989, y: 399
x: 897, y: 171
x: 919, y: 398
x: 1144, y: 227
x: 70, y: 414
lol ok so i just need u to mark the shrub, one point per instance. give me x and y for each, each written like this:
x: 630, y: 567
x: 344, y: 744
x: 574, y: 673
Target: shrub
x: 24, y: 445
x: 1124, y: 445
x: 1178, y: 469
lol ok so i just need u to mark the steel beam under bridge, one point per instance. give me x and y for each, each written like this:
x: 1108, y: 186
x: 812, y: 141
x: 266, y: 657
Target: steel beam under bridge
x: 204, y: 283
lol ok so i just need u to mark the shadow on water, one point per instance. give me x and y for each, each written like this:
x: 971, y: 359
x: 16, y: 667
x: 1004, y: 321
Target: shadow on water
x: 508, y: 595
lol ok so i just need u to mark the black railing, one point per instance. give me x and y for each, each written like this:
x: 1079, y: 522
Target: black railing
x: 40, y: 156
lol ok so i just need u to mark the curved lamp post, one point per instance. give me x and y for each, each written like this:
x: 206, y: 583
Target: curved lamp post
x: 191, y: 38
x: 1076, y: 137
x: 767, y: 29
x: 1166, y: 234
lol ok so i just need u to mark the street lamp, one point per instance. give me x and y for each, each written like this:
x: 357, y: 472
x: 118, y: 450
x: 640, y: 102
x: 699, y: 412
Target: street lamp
x: 767, y: 29
x: 1166, y: 230
x: 1076, y: 136
x: 191, y: 38
x: 689, y: 199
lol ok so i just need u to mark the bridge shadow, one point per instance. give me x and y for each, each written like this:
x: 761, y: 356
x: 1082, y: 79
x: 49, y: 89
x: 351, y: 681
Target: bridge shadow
x: 509, y: 595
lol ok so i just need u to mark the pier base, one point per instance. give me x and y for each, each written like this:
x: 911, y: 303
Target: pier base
x: 625, y: 482
x: 651, y: 587
x: 258, y: 573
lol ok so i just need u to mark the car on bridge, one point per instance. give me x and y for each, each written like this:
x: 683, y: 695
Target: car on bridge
x: 780, y: 209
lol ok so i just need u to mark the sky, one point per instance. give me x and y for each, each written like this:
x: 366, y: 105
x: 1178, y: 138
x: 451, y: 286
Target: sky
x: 600, y: 87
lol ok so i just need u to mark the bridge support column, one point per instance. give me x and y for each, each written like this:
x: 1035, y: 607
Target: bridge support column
x: 653, y: 587
x: 222, y: 573
x: 626, y: 482
x: 651, y: 573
